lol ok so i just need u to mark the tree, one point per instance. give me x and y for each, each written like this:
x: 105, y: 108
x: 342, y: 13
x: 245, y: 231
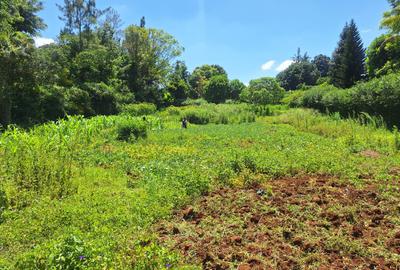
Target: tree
x: 80, y: 17
x: 391, y: 19
x: 348, y: 58
x: 200, y: 77
x: 178, y: 85
x: 298, y: 57
x: 18, y: 23
x: 298, y: 73
x: 217, y: 89
x: 322, y: 62
x: 143, y: 22
x: 236, y: 87
x: 383, y: 56
x: 150, y: 52
x: 263, y: 91
x: 109, y: 32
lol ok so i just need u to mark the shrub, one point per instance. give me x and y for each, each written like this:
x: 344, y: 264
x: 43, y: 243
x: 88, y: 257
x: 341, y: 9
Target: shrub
x: 378, y: 97
x: 263, y: 91
x: 294, y: 98
x: 103, y: 98
x: 313, y: 97
x: 131, y: 128
x: 139, y: 109
x: 71, y: 253
x: 198, y: 116
x: 194, y: 102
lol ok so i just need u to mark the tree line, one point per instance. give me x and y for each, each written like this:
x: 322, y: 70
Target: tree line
x: 95, y: 67
x: 350, y: 62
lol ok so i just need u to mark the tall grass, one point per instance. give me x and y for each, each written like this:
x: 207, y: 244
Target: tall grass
x: 41, y: 161
x: 361, y: 132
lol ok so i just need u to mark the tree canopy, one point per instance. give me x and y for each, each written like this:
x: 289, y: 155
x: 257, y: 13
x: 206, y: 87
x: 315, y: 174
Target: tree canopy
x: 348, y: 58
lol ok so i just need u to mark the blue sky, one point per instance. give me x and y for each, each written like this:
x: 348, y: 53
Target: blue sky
x: 250, y: 39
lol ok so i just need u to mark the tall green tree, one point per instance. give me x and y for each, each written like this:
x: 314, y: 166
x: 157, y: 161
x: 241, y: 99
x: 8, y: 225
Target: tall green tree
x: 391, y: 19
x: 80, y: 17
x: 236, y: 87
x: 383, y: 56
x: 178, y: 84
x: 348, y: 58
x: 200, y: 77
x: 217, y: 89
x: 18, y: 24
x: 150, y: 52
x: 301, y: 72
x: 323, y: 63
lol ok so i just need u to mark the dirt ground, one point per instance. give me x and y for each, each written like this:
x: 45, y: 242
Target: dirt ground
x: 289, y: 223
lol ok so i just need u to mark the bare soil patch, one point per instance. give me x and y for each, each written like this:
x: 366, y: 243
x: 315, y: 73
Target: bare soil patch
x: 289, y: 223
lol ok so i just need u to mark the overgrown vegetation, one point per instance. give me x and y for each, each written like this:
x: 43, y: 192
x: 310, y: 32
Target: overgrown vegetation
x: 93, y: 154
x: 378, y: 97
x: 82, y: 198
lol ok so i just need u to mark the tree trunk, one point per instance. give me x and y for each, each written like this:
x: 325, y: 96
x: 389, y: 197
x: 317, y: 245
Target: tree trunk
x: 5, y: 109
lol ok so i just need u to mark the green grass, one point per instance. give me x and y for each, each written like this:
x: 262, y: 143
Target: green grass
x: 74, y: 188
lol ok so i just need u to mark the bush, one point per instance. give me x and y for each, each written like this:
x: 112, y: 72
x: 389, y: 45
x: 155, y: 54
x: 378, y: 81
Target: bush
x: 139, y: 109
x: 198, y: 116
x: 131, y: 128
x: 313, y: 97
x: 378, y: 97
x: 71, y: 253
x: 294, y: 99
x: 263, y: 91
x: 103, y: 98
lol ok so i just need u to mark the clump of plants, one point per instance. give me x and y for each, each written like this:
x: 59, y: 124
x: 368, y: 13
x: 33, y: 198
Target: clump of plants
x: 131, y: 129
x: 139, y: 109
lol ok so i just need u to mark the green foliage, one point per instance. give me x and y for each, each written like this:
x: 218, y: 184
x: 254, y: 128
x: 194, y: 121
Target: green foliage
x: 298, y: 73
x: 200, y: 77
x: 52, y: 102
x: 217, y: 89
x: 78, y: 102
x: 139, y: 109
x: 263, y: 91
x: 383, y: 56
x: 103, y: 100
x: 294, y: 98
x: 391, y: 19
x: 348, y: 58
x: 39, y: 162
x: 150, y: 256
x: 323, y: 64
x: 195, y: 102
x: 378, y: 97
x: 150, y: 52
x: 218, y: 114
x: 236, y: 87
x: 131, y: 128
x: 93, y: 65
x: 118, y: 189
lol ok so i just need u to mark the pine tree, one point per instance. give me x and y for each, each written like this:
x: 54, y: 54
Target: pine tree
x: 143, y: 22
x: 348, y: 58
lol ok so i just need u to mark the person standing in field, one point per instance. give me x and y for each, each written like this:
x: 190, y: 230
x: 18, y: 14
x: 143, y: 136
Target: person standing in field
x: 184, y: 123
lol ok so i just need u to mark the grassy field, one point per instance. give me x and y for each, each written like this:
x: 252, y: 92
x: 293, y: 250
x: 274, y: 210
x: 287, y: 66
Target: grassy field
x: 123, y: 192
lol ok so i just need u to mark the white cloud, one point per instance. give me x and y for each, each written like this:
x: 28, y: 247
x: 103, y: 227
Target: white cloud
x: 284, y: 65
x: 268, y: 65
x: 41, y: 41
